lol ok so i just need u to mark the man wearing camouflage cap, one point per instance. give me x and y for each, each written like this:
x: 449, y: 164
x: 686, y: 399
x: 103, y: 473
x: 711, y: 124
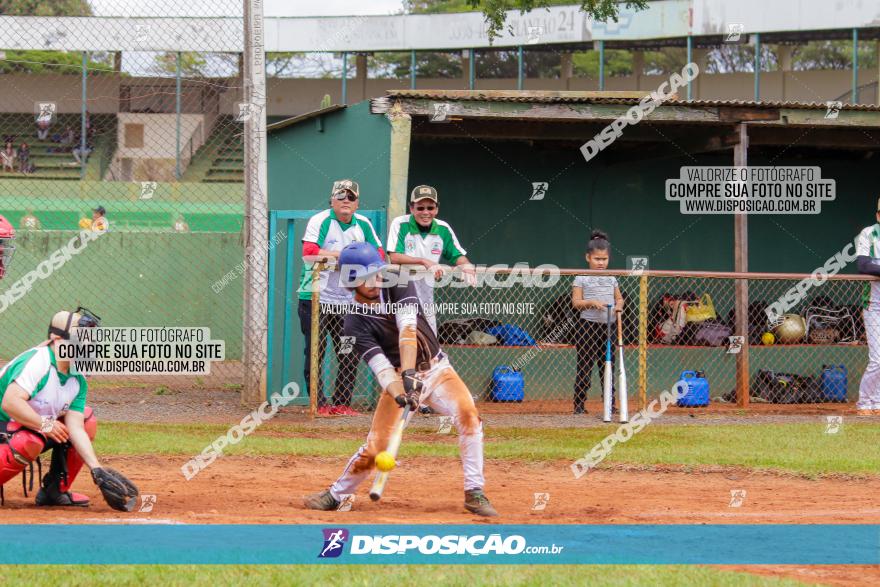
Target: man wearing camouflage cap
x: 327, y: 233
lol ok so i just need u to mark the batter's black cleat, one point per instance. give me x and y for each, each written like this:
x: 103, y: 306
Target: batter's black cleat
x: 321, y: 501
x: 476, y: 502
x: 50, y: 495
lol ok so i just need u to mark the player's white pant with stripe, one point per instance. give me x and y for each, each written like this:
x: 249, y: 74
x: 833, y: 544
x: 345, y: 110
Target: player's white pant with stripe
x: 447, y: 395
x: 869, y: 389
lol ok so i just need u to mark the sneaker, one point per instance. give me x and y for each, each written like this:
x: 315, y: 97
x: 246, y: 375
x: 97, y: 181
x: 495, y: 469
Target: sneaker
x: 580, y: 410
x: 322, y: 500
x: 50, y: 497
x: 346, y: 411
x: 476, y: 502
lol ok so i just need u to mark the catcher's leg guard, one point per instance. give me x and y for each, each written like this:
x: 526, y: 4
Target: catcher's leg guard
x: 19, y: 448
x: 66, y: 465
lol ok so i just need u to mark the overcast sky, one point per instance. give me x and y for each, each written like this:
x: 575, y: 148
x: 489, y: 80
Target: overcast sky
x: 229, y: 7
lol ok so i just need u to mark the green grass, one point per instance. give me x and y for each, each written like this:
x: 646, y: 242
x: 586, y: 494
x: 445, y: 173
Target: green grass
x: 356, y: 575
x: 801, y: 448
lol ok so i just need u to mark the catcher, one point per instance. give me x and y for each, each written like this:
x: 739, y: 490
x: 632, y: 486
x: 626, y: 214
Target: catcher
x: 42, y: 408
x: 393, y: 337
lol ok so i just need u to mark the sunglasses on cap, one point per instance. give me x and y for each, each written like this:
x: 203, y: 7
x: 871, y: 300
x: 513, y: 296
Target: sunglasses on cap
x: 87, y: 319
x: 345, y: 195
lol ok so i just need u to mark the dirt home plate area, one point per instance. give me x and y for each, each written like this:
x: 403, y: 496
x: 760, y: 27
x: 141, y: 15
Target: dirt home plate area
x: 256, y: 488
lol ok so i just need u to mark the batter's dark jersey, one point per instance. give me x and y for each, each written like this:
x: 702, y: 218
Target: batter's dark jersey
x: 376, y: 332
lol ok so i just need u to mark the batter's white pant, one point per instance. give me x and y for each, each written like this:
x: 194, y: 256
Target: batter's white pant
x: 447, y: 395
x: 869, y: 389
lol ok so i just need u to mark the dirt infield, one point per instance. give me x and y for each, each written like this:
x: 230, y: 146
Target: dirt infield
x: 268, y: 490
x: 260, y: 490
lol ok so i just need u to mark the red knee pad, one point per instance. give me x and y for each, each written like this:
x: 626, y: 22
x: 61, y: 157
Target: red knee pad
x: 21, y: 449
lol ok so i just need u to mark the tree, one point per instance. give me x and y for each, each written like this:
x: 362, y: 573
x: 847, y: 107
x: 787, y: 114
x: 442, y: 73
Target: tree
x: 494, y: 10
x: 45, y: 8
x: 31, y: 61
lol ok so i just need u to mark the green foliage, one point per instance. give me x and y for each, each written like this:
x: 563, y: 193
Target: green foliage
x: 832, y: 55
x: 494, y: 10
x: 54, y: 62
x: 45, y: 8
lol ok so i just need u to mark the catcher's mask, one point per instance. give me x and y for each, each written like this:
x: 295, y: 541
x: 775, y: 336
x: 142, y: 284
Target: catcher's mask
x: 63, y: 321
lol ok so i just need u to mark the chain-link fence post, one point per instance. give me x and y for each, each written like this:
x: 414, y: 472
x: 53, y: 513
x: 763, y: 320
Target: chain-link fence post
x: 314, y: 354
x: 643, y: 341
x: 256, y: 208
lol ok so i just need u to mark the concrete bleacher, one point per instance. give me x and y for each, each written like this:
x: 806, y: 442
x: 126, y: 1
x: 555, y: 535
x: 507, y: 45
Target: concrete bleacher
x: 221, y: 158
x: 46, y: 156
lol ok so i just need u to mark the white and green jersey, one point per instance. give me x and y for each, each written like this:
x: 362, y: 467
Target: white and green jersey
x: 437, y: 244
x: 51, y: 392
x: 868, y: 245
x: 331, y: 234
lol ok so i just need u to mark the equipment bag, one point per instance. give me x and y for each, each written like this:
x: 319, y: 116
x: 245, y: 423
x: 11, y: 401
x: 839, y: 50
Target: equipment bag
x: 712, y: 333
x: 702, y: 310
x: 511, y: 335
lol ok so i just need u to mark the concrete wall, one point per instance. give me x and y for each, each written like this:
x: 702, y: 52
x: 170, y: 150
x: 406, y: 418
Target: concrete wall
x: 288, y: 97
x: 157, y: 159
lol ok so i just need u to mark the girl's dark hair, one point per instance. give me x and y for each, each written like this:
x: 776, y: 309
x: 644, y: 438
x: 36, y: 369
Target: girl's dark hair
x: 598, y: 242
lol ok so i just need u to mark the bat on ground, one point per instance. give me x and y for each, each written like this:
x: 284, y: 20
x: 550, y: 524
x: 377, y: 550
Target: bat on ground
x: 393, y: 446
x: 622, y: 389
x: 609, y: 373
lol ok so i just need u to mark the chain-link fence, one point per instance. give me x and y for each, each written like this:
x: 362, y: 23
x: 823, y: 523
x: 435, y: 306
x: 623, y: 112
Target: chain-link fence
x: 125, y: 121
x: 521, y: 345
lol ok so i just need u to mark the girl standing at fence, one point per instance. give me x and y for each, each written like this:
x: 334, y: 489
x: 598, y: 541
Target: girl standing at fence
x: 591, y: 294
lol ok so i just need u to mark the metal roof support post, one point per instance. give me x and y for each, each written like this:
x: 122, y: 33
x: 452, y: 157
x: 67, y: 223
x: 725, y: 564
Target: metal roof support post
x: 344, y: 78
x: 855, y: 66
x: 519, y: 68
x: 177, y: 120
x: 757, y: 67
x: 472, y: 70
x: 690, y: 59
x: 412, y: 69
x: 601, y: 65
x: 741, y: 286
x: 83, y: 108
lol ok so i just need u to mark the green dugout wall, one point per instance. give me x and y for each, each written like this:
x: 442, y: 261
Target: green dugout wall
x: 485, y: 187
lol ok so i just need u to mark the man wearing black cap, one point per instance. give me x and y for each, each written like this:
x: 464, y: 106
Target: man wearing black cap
x: 419, y: 238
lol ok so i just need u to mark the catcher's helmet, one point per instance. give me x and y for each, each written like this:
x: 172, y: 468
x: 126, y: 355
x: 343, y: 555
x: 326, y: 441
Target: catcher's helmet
x: 792, y: 329
x: 63, y: 321
x: 358, y: 261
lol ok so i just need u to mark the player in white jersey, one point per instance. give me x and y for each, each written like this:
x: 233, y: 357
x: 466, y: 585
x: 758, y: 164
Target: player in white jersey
x: 43, y: 408
x: 419, y: 238
x: 868, y: 260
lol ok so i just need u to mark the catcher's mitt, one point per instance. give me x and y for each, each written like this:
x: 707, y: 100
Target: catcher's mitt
x: 119, y: 493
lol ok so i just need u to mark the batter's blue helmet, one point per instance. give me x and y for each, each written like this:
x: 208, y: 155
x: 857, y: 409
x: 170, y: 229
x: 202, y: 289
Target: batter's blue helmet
x: 358, y: 261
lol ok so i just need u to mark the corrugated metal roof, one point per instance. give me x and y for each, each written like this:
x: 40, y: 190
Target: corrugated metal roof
x: 570, y: 97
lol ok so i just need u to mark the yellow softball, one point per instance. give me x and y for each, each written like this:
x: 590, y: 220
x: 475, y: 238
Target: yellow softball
x: 384, y: 461
x: 767, y: 338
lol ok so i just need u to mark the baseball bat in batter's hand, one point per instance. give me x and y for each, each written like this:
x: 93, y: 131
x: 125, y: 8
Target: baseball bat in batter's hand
x: 393, y: 446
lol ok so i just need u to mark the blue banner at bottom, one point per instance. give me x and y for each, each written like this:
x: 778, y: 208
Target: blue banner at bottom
x: 442, y: 544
